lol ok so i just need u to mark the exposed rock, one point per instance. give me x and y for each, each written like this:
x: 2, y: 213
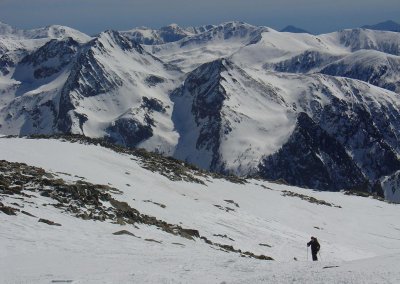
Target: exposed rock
x: 189, y: 233
x: 229, y: 248
x: 8, y: 210
x: 156, y: 203
x: 48, y: 222
x: 309, y: 198
x: 28, y: 214
x: 232, y: 202
x: 125, y: 232
x: 224, y: 236
x: 129, y: 131
x: 364, y: 194
x: 154, y: 80
x: 154, y: 241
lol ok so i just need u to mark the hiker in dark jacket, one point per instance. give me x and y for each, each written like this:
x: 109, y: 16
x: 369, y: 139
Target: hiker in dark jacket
x: 314, y: 248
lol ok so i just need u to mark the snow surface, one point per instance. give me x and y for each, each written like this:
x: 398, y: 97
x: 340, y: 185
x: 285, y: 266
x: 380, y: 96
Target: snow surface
x: 360, y: 241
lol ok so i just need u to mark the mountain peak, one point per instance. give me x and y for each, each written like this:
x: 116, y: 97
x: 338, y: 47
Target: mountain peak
x: 111, y: 38
x: 293, y: 29
x: 389, y: 25
x: 173, y: 26
x: 235, y: 24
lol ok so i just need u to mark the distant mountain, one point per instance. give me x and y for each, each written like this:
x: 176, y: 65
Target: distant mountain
x: 390, y: 26
x: 215, y: 42
x: 163, y: 35
x: 377, y: 68
x: 6, y: 29
x: 50, y: 32
x: 293, y: 29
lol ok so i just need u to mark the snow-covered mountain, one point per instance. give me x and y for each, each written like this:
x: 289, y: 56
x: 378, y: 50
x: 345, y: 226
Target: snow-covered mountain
x: 366, y: 55
x: 251, y: 123
x: 49, y: 32
x: 375, y: 67
x: 15, y: 43
x: 232, y: 98
x: 215, y: 42
x: 108, y: 85
x: 72, y: 210
x: 118, y: 89
x: 170, y: 33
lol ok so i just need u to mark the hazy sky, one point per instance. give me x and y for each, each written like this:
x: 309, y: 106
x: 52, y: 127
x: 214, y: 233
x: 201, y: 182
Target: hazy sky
x: 93, y: 16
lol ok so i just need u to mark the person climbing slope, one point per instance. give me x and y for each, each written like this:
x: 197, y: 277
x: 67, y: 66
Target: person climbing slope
x: 314, y: 248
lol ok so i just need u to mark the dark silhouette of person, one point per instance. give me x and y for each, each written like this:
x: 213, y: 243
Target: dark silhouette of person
x: 314, y: 248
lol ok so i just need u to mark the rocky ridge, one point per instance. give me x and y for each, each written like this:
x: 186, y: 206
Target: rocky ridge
x: 83, y: 200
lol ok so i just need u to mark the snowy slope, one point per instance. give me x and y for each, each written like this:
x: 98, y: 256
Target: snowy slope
x: 358, y: 235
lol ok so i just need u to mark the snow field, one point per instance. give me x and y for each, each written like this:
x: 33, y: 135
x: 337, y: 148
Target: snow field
x: 361, y: 237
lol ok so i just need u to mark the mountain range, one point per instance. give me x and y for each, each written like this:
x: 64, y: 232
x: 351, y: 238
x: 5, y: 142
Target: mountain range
x: 317, y: 111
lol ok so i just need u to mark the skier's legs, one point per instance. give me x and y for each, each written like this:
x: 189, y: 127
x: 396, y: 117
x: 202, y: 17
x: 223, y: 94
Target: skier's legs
x: 314, y: 256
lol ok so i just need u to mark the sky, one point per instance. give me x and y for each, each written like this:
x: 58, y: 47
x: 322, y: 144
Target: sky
x: 94, y: 16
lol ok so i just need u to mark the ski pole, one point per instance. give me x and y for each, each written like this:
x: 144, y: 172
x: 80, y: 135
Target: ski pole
x: 307, y: 253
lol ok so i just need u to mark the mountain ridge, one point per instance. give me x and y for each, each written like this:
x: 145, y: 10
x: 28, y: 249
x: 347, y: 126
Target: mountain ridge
x: 227, y: 98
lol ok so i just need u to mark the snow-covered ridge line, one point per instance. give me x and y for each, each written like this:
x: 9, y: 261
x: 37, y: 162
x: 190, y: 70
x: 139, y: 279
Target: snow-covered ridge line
x: 169, y: 167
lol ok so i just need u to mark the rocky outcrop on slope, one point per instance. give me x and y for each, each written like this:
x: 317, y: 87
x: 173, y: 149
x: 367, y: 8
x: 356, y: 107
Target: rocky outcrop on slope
x: 308, y: 61
x: 369, y: 134
x: 200, y: 99
x: 84, y: 200
x: 47, y: 60
x: 81, y: 199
